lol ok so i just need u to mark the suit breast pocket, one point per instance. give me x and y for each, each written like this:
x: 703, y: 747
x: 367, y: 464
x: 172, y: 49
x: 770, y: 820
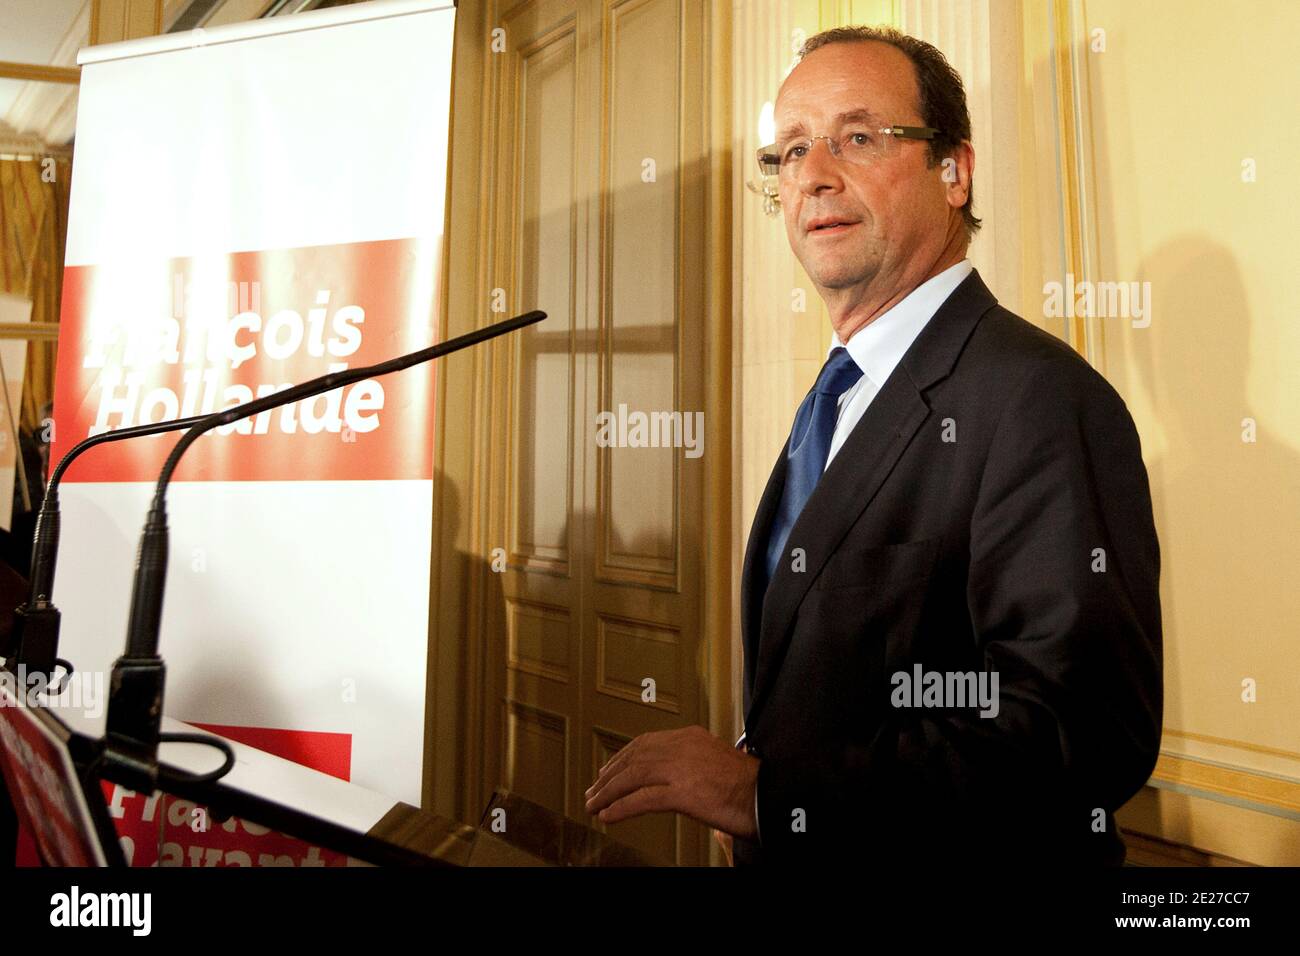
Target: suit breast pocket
x: 891, y: 570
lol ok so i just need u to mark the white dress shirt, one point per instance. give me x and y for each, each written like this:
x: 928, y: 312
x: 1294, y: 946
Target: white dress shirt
x: 880, y: 345
x: 877, y: 349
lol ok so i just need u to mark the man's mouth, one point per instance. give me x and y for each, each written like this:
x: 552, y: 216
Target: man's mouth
x: 830, y: 227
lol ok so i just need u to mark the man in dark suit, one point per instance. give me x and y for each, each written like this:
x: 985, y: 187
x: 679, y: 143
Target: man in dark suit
x: 950, y: 606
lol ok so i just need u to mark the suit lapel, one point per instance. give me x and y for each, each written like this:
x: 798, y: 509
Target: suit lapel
x: 842, y: 494
x: 850, y: 483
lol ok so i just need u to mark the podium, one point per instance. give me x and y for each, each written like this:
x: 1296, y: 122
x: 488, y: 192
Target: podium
x: 513, y: 831
x: 49, y: 762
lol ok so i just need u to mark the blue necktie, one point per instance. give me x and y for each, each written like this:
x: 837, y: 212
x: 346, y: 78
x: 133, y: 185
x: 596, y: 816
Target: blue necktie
x: 810, y: 443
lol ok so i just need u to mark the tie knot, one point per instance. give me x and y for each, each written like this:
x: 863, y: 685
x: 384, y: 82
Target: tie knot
x: 839, y: 374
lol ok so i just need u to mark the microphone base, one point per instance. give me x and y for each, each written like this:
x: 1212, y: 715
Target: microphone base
x: 134, y: 723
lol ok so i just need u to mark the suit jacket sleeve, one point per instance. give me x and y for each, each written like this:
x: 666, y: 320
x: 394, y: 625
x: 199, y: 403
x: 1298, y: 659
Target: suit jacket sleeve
x: 1062, y: 593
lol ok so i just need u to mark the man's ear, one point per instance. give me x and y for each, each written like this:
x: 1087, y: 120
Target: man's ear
x: 956, y: 170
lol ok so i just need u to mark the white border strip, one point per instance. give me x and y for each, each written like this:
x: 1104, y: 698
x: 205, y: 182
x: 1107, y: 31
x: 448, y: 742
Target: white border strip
x: 230, y: 32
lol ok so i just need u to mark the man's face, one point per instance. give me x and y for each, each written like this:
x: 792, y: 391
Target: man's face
x: 898, y: 206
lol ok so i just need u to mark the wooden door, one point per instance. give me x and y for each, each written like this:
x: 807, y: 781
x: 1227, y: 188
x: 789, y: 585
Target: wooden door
x: 592, y: 631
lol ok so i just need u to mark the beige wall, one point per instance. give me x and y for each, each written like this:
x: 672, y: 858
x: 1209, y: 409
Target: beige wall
x: 1183, y: 95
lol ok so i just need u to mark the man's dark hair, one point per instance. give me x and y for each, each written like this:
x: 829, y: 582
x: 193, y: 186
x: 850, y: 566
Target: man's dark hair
x: 943, y: 98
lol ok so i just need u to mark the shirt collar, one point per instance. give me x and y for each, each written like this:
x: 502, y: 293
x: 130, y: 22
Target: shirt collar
x: 880, y: 345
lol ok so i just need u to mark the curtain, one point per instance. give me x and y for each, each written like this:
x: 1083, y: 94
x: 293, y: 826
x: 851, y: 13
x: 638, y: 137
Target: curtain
x: 33, y: 232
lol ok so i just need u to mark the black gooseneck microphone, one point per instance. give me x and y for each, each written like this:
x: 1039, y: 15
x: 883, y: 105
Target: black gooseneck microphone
x: 134, y: 720
x: 33, y: 644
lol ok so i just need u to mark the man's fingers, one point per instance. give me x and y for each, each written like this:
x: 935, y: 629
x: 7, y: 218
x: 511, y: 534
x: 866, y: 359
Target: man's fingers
x: 642, y: 747
x: 613, y: 769
x: 650, y: 761
x: 609, y: 788
x: 652, y: 799
x: 627, y: 779
x: 615, y: 763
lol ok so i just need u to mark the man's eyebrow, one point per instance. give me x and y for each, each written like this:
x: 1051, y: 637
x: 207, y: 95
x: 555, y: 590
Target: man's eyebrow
x: 858, y: 115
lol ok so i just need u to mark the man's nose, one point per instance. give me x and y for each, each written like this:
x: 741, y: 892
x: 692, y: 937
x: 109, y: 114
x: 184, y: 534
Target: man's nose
x: 820, y: 169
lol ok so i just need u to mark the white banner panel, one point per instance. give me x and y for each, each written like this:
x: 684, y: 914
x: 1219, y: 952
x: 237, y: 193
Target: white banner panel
x: 247, y: 213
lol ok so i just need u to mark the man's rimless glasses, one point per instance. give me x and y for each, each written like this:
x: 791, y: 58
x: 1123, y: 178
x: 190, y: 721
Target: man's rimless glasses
x: 861, y: 147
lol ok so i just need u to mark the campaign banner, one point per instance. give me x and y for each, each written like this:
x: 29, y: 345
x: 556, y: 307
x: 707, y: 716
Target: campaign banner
x: 43, y: 784
x: 257, y: 335
x: 253, y: 206
x: 163, y: 830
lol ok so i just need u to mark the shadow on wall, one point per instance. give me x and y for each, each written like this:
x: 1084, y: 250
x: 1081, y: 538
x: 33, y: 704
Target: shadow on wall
x: 1226, y: 493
